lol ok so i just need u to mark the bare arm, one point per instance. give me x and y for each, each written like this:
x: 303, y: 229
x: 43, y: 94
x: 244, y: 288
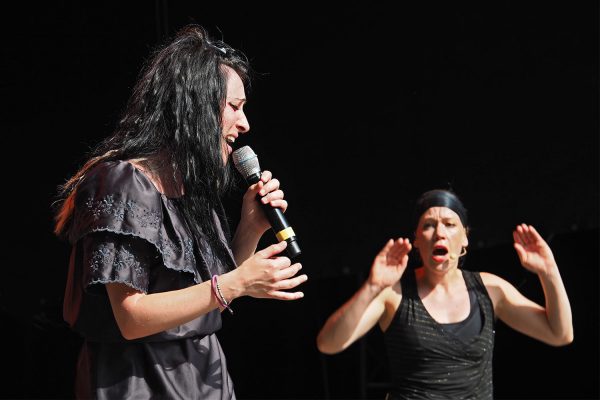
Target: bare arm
x: 359, y: 314
x: 263, y: 275
x: 551, y: 324
x: 138, y: 314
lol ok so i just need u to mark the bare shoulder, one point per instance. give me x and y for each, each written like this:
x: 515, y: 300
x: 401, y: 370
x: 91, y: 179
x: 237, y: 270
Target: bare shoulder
x: 496, y: 286
x: 494, y: 281
x: 491, y: 279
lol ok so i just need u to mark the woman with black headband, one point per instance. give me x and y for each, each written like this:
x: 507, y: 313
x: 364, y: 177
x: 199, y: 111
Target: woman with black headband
x: 152, y: 264
x: 438, y: 320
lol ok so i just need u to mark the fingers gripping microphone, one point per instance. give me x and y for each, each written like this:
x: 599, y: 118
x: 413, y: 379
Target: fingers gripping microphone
x: 246, y: 162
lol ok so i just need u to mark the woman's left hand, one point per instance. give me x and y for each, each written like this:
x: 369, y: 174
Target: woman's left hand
x: 252, y: 216
x: 533, y: 251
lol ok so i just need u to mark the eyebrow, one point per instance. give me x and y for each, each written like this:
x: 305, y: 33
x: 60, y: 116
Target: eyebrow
x: 237, y: 98
x: 452, y: 218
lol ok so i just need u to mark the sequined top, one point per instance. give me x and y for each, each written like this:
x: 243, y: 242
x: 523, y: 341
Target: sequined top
x: 125, y: 231
x: 428, y: 361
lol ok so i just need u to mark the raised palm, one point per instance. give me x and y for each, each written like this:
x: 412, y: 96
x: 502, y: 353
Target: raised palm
x: 533, y: 251
x: 390, y: 263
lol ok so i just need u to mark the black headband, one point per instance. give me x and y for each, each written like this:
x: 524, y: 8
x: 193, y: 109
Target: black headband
x: 440, y: 198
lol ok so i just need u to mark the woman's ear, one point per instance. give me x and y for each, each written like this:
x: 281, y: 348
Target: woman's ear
x: 465, y: 241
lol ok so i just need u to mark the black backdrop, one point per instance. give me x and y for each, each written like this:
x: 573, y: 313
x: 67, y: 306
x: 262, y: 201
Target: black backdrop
x: 357, y: 110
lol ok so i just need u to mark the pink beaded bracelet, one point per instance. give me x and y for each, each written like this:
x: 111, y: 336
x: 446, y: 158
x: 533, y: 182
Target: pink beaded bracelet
x: 218, y: 295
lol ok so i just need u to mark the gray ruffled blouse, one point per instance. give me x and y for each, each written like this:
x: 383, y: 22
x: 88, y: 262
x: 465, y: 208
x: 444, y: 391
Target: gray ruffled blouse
x: 125, y: 231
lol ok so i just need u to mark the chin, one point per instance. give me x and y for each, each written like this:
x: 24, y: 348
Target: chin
x: 440, y: 266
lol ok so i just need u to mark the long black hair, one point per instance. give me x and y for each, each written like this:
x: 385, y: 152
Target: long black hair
x: 175, y: 109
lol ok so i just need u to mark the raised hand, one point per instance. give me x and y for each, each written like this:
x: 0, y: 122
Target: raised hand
x: 533, y: 251
x: 390, y: 263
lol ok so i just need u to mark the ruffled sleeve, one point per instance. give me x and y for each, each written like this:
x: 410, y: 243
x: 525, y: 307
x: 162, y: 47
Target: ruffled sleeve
x: 114, y: 258
x: 115, y: 197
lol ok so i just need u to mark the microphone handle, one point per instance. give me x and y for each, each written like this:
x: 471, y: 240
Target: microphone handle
x: 279, y: 224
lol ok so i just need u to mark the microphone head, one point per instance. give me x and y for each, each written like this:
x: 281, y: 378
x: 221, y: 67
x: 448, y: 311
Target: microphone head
x: 246, y: 161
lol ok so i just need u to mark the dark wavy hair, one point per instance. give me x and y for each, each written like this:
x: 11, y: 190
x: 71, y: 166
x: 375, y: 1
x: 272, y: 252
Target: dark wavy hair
x: 176, y: 107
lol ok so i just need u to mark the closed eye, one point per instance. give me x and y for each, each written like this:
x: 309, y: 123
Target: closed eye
x: 235, y: 108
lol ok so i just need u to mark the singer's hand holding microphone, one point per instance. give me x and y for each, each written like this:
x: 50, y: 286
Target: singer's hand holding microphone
x: 269, y: 272
x: 246, y: 162
x: 265, y: 192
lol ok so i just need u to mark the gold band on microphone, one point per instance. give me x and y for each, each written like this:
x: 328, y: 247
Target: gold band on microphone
x: 285, y: 234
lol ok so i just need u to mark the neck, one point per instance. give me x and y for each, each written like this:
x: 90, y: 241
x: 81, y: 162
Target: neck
x: 444, y: 279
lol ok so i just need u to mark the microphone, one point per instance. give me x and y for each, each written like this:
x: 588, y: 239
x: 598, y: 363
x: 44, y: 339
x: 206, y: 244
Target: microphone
x: 246, y: 162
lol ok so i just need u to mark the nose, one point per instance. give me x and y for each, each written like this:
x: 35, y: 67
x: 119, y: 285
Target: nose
x: 242, y: 124
x: 440, y: 231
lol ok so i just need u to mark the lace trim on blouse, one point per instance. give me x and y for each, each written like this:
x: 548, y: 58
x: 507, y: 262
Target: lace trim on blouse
x: 113, y: 199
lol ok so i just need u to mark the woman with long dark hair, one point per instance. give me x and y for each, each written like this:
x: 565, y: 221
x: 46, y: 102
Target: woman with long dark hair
x: 152, y: 262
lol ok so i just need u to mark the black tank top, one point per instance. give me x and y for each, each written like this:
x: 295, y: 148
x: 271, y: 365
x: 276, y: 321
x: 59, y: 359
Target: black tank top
x: 470, y: 326
x: 429, y: 361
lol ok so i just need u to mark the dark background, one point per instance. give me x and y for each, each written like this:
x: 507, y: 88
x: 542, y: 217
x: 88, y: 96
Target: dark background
x: 357, y: 110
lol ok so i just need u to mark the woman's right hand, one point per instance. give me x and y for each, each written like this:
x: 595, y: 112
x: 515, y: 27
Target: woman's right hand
x: 389, y: 265
x: 268, y: 275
